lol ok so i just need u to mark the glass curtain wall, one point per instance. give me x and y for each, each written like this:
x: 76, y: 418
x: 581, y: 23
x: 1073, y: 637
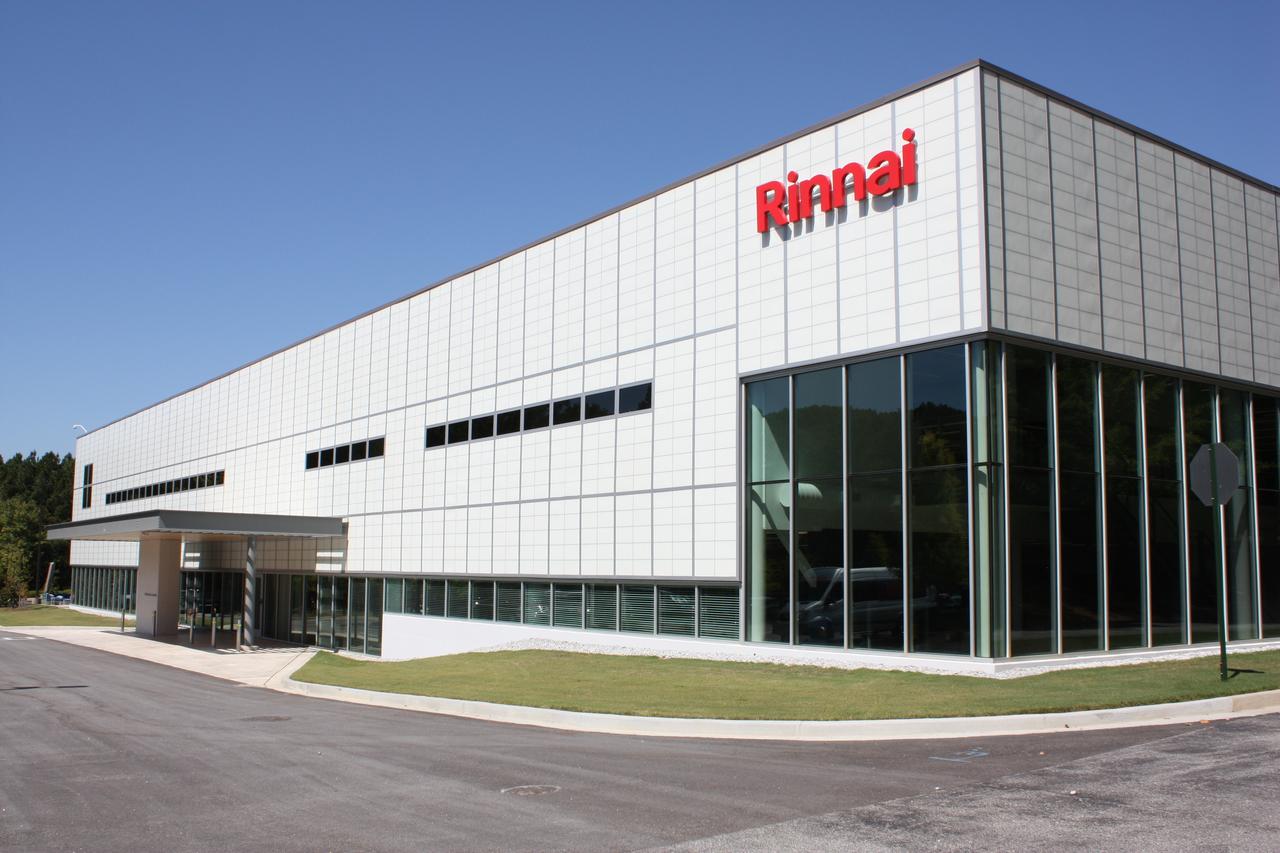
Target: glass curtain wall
x: 768, y: 539
x: 1266, y: 447
x: 1031, y: 556
x: 827, y: 523
x: 1126, y: 587
x: 1080, y: 565
x: 1056, y: 486
x: 1166, y: 522
x: 937, y: 507
x: 1237, y: 519
x: 876, y: 588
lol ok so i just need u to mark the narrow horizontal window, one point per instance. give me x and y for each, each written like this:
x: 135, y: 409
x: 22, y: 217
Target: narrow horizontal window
x: 536, y: 417
x: 600, y: 404
x: 482, y: 427
x: 326, y: 457
x: 377, y: 446
x: 313, y: 459
x: 201, y: 480
x: 436, y: 436
x: 636, y: 398
x: 359, y: 450
x: 458, y: 431
x: 220, y: 477
x: 342, y: 454
x: 568, y: 411
x: 508, y: 422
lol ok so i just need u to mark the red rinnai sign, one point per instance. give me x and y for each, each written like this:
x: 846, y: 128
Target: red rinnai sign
x: 885, y: 172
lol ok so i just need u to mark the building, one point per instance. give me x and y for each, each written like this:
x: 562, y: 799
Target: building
x: 921, y: 380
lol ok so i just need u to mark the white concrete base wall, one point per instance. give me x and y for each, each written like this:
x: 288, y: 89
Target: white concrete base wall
x: 406, y: 636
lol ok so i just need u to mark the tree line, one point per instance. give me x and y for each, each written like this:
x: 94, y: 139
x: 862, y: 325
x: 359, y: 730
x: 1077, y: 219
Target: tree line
x: 35, y: 491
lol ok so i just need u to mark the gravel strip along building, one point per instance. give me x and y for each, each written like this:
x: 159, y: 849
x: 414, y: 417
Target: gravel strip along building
x: 922, y: 380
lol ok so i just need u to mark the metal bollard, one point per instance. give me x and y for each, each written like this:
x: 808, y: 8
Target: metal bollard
x: 213, y: 631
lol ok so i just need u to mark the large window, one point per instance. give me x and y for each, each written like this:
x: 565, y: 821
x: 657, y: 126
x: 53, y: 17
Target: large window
x: 1197, y: 413
x: 1003, y: 500
x: 875, y: 504
x: 768, y: 509
x: 1031, y: 548
x: 1125, y: 514
x: 1079, y: 502
x: 819, y: 508
x: 937, y: 516
x: 1266, y: 437
x: 1165, y: 528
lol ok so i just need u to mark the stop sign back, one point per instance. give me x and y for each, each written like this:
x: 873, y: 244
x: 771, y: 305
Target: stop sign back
x: 1228, y: 464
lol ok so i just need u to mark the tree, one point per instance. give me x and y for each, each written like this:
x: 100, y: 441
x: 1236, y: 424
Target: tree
x: 21, y: 533
x: 44, y: 482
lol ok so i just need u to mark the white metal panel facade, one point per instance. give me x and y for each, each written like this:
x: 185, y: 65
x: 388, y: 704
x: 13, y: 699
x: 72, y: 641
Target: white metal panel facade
x: 679, y: 289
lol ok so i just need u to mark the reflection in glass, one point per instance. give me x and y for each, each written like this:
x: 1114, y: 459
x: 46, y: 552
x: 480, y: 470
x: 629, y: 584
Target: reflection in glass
x: 324, y: 614
x: 295, y: 609
x: 1266, y: 436
x: 768, y: 559
x: 768, y: 445
x: 1168, y: 590
x: 373, y: 623
x: 312, y: 598
x: 819, y: 557
x: 938, y: 521
x: 988, y: 505
x: 875, y: 561
x: 1027, y: 407
x: 818, y: 423
x: 1126, y: 595
x: 935, y: 398
x: 1032, y: 611
x: 1197, y: 407
x: 1242, y: 611
x: 356, y: 614
x: 341, y: 599
x: 1126, y: 577
x: 1079, y: 504
x: 1269, y: 554
x: 875, y: 416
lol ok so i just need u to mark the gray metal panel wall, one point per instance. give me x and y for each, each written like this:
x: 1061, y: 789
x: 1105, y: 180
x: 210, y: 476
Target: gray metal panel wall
x: 1231, y: 265
x: 1264, y: 282
x: 1028, y: 212
x: 1075, y: 227
x: 1158, y: 229
x: 1195, y: 255
x: 1102, y: 238
x: 1120, y: 249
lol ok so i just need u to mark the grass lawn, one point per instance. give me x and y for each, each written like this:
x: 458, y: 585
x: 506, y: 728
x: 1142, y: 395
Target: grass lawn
x: 48, y: 615
x: 650, y: 686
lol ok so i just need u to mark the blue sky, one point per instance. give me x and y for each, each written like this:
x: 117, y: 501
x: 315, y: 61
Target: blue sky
x: 186, y: 186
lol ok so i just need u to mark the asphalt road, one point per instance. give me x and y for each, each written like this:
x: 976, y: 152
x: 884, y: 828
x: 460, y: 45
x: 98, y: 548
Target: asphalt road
x: 100, y: 752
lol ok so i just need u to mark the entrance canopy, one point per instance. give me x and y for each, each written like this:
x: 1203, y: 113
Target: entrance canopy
x: 177, y: 524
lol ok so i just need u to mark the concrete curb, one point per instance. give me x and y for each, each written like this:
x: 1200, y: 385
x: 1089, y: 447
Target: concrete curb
x: 1221, y: 708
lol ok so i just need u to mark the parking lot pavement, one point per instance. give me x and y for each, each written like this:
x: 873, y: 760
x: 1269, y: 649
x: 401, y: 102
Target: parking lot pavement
x: 1216, y: 787
x: 101, y: 752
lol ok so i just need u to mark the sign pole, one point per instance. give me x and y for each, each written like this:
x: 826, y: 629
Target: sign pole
x: 1217, y: 557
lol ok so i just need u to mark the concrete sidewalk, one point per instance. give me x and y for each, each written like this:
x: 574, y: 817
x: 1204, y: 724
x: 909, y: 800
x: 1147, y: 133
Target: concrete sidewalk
x: 273, y: 668
x: 254, y: 667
